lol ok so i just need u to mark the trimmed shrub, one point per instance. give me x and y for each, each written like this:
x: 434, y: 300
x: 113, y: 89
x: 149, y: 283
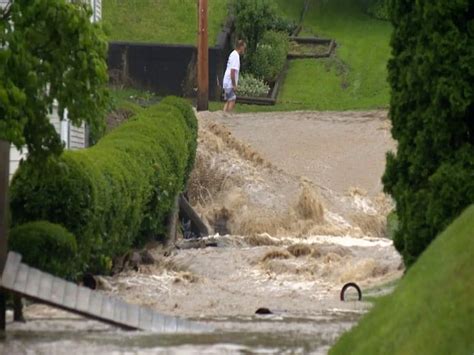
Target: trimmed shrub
x: 431, y: 176
x: 47, y: 246
x: 118, y: 193
x: 270, y: 56
x: 252, y: 87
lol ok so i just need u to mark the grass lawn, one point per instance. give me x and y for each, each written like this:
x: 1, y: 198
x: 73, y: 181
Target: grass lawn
x: 432, y: 309
x: 356, y: 79
x: 290, y: 9
x: 353, y: 80
x: 160, y: 21
x: 172, y: 21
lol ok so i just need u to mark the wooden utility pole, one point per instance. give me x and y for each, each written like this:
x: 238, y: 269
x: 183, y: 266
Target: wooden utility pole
x: 4, y: 179
x: 203, y: 58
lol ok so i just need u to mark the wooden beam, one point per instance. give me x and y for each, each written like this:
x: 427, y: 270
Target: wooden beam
x: 187, y: 210
x: 173, y: 223
x: 4, y: 180
x: 203, y: 58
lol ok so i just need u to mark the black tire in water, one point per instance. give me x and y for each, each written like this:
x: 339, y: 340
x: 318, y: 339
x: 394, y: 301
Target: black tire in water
x: 263, y: 310
x: 89, y: 281
x: 348, y: 285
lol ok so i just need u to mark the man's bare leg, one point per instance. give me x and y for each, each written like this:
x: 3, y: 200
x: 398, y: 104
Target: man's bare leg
x: 231, y: 106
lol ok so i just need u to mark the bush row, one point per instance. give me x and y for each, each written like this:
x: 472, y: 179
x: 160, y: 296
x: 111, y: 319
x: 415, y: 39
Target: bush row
x: 47, y: 246
x: 116, y: 194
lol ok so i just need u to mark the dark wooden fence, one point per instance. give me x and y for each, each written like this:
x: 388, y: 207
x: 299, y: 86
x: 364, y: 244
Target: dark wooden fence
x: 168, y: 69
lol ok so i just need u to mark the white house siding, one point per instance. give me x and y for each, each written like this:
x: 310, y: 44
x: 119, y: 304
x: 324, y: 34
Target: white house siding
x: 76, y: 137
x: 73, y: 137
x: 15, y: 157
x: 96, y: 6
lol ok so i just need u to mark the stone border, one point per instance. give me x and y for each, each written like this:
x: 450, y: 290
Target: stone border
x: 313, y: 40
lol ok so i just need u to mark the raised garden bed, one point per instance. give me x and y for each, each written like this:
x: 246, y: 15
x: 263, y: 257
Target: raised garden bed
x: 310, y: 47
x: 272, y: 96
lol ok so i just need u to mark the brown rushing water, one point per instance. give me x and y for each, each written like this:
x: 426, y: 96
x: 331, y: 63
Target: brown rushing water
x: 279, y: 333
x: 300, y: 196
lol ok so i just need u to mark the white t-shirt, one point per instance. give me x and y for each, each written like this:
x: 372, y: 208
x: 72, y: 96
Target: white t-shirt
x: 232, y: 63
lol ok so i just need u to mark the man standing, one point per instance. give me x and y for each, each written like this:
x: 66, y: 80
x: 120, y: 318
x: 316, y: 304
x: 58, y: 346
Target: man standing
x: 231, y: 76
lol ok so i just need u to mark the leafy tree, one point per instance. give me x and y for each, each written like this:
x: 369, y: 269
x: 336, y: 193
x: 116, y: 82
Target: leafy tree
x: 431, y: 177
x: 50, y: 53
x: 252, y: 19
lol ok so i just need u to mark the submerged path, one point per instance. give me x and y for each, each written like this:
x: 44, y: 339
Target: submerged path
x: 337, y: 150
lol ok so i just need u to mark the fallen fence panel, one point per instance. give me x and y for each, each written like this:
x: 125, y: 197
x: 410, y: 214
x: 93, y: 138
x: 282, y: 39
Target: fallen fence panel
x: 32, y: 283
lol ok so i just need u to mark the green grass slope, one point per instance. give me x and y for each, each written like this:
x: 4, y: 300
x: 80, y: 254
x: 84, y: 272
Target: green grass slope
x: 160, y: 21
x: 355, y: 79
x: 290, y: 9
x: 432, y: 309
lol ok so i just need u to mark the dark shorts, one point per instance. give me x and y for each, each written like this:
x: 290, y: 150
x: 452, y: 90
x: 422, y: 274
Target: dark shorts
x: 229, y: 95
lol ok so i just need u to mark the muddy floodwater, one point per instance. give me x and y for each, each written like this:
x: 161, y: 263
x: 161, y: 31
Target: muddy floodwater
x: 253, y: 334
x: 295, y: 207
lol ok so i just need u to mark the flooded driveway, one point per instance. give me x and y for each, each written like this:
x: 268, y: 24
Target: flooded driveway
x: 280, y: 333
x: 295, y: 204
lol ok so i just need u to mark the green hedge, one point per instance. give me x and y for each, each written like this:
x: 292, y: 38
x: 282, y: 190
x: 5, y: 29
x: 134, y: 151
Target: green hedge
x: 118, y: 193
x: 190, y: 117
x: 270, y: 57
x: 39, y: 241
x: 431, y: 176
